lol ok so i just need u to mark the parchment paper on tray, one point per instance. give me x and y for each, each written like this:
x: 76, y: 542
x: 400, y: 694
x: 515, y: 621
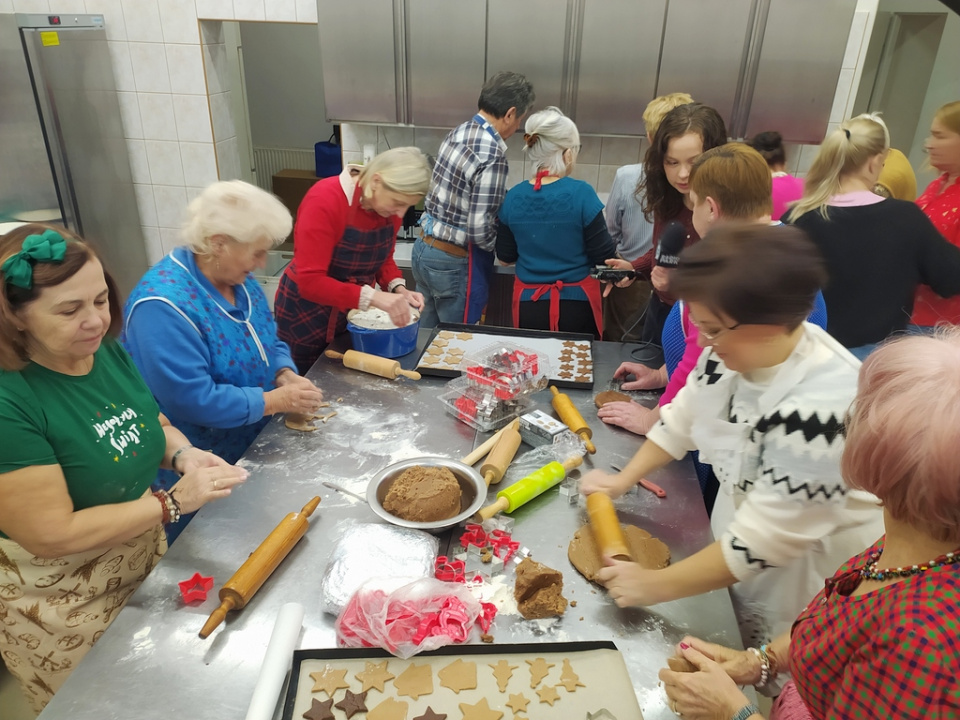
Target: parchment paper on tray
x: 371, y: 550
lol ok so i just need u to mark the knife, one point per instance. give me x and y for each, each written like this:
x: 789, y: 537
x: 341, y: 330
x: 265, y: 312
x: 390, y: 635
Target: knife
x: 644, y: 483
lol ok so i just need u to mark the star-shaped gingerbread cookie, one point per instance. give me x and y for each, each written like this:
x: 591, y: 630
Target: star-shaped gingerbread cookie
x: 518, y: 703
x: 353, y: 703
x: 329, y: 680
x: 319, y: 710
x: 548, y: 694
x: 503, y: 671
x: 479, y: 711
x: 429, y: 714
x: 374, y: 675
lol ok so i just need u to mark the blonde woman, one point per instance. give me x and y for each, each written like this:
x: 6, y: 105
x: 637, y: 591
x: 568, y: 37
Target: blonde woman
x: 878, y: 250
x: 941, y: 203
x: 344, y: 239
x: 552, y: 227
x: 200, y: 331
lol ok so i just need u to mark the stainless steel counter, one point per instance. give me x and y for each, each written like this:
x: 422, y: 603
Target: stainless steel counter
x: 151, y: 663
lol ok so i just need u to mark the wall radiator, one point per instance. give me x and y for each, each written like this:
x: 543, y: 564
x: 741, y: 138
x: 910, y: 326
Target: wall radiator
x: 269, y: 161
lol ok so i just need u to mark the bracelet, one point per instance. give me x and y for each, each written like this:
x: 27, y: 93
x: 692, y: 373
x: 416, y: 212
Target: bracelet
x: 772, y: 659
x: 178, y: 453
x: 764, y: 667
x: 171, y: 509
x: 746, y: 711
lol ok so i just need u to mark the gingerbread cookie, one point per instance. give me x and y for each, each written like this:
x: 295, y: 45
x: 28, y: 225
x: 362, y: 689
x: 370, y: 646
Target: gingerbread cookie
x: 445, y: 334
x: 518, y: 703
x: 479, y: 711
x: 548, y: 694
x: 353, y: 703
x: 503, y: 671
x: 568, y: 678
x: 329, y: 680
x: 389, y: 709
x: 415, y: 681
x: 459, y: 675
x: 319, y: 710
x: 374, y: 675
x: 538, y: 670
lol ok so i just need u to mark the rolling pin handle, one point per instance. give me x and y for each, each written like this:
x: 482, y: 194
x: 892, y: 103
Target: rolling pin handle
x: 591, y: 448
x: 553, y: 389
x: 308, y: 509
x: 490, y: 510
x: 489, y: 477
x: 217, y: 616
x: 572, y: 462
x: 412, y: 374
x: 333, y: 354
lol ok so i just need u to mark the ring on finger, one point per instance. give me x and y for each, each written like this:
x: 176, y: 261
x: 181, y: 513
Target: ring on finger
x: 216, y: 484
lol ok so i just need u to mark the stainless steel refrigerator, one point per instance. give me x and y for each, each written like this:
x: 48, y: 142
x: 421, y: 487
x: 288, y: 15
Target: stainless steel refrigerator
x: 63, y: 157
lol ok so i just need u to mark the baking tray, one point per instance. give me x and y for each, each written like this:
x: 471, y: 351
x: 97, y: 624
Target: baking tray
x: 598, y: 664
x: 549, y: 344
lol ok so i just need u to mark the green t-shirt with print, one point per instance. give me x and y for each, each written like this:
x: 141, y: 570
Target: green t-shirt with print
x: 102, y: 429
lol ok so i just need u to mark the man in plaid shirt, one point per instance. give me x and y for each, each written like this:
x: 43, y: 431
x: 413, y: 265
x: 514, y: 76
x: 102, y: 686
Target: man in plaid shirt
x: 453, y: 261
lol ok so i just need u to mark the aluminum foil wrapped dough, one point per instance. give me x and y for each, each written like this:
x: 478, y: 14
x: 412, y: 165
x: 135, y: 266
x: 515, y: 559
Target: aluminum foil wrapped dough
x: 370, y: 550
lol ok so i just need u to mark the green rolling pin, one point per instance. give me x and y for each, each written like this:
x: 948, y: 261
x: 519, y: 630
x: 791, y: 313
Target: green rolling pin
x: 522, y: 491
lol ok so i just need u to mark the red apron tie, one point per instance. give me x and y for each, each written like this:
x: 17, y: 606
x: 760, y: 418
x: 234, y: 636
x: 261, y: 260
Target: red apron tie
x: 590, y: 286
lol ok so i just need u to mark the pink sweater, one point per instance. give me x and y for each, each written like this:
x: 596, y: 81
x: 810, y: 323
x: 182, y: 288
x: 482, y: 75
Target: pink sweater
x: 691, y: 354
x: 786, y: 189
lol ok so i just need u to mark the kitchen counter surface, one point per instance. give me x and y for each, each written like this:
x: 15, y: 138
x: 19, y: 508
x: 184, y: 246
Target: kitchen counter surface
x: 151, y: 663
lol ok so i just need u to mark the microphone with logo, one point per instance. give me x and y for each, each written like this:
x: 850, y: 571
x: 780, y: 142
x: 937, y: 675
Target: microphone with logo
x: 672, y: 241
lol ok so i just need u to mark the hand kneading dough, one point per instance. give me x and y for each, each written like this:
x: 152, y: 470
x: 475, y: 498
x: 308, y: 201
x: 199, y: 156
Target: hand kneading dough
x: 646, y: 550
x: 424, y: 494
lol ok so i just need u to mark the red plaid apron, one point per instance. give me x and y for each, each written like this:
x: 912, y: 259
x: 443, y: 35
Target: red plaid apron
x: 308, y: 327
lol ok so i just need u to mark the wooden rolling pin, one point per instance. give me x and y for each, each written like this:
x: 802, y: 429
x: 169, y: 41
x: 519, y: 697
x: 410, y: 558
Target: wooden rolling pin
x: 238, y: 590
x: 572, y: 418
x: 606, y: 527
x: 480, y: 450
x: 373, y: 364
x: 522, y: 491
x: 501, y: 456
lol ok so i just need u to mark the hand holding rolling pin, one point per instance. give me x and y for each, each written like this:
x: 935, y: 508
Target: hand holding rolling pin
x: 629, y: 584
x: 598, y: 481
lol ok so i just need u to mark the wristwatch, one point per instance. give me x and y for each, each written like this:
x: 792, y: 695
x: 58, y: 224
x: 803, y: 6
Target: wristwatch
x: 746, y: 711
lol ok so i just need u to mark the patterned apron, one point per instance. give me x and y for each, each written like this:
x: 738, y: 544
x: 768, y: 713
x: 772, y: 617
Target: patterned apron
x: 52, y: 610
x: 308, y: 327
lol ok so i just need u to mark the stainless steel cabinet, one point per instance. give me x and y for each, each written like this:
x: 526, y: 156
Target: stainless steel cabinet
x: 619, y: 53
x: 529, y: 37
x: 358, y: 50
x: 798, y: 68
x: 705, y: 46
x: 445, y: 60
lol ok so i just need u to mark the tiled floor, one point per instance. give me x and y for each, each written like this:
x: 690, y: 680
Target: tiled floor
x: 13, y: 705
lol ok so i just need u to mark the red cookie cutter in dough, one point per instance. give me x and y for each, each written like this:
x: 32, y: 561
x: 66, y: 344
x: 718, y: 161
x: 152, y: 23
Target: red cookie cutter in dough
x: 449, y: 570
x: 196, y: 588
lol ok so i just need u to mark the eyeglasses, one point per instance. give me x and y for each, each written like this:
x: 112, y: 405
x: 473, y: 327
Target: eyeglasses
x: 712, y: 336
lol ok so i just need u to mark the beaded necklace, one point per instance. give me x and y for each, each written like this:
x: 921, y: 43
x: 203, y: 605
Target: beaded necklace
x: 870, y: 571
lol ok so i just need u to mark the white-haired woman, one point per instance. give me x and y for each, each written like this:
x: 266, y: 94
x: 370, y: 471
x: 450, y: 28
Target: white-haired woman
x: 552, y: 227
x: 878, y: 250
x: 343, y: 250
x: 200, y: 331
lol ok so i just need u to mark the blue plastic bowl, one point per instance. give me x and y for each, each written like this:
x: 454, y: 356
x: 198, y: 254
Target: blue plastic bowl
x: 391, y: 343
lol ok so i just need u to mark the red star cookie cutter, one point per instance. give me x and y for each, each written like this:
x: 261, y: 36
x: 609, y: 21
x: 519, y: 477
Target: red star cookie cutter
x: 196, y: 588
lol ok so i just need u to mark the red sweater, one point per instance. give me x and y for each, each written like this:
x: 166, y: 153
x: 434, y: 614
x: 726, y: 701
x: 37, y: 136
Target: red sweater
x: 322, y: 219
x: 942, y: 206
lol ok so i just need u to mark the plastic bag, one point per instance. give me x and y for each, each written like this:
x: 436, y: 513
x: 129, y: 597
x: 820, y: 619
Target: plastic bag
x: 422, y: 615
x: 373, y: 550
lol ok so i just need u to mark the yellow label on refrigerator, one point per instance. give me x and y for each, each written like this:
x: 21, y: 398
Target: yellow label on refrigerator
x: 49, y: 38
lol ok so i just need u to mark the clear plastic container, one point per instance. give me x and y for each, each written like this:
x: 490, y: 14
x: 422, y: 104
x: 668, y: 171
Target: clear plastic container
x: 506, y: 371
x: 479, y: 407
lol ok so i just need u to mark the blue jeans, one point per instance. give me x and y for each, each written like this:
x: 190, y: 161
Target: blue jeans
x: 442, y: 279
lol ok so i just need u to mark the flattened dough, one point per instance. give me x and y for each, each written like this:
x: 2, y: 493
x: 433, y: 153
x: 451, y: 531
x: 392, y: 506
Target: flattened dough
x: 646, y: 550
x: 301, y: 423
x: 459, y: 675
x: 389, y: 709
x: 415, y: 681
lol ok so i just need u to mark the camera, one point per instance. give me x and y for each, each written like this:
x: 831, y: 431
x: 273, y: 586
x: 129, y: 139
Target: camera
x: 609, y: 274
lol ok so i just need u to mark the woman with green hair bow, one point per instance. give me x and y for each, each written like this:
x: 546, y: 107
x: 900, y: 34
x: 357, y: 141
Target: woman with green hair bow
x: 82, y: 441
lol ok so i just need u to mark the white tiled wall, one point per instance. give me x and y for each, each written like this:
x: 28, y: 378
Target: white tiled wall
x: 180, y: 135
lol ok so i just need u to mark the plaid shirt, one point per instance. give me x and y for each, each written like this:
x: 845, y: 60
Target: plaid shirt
x: 469, y: 182
x: 889, y: 653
